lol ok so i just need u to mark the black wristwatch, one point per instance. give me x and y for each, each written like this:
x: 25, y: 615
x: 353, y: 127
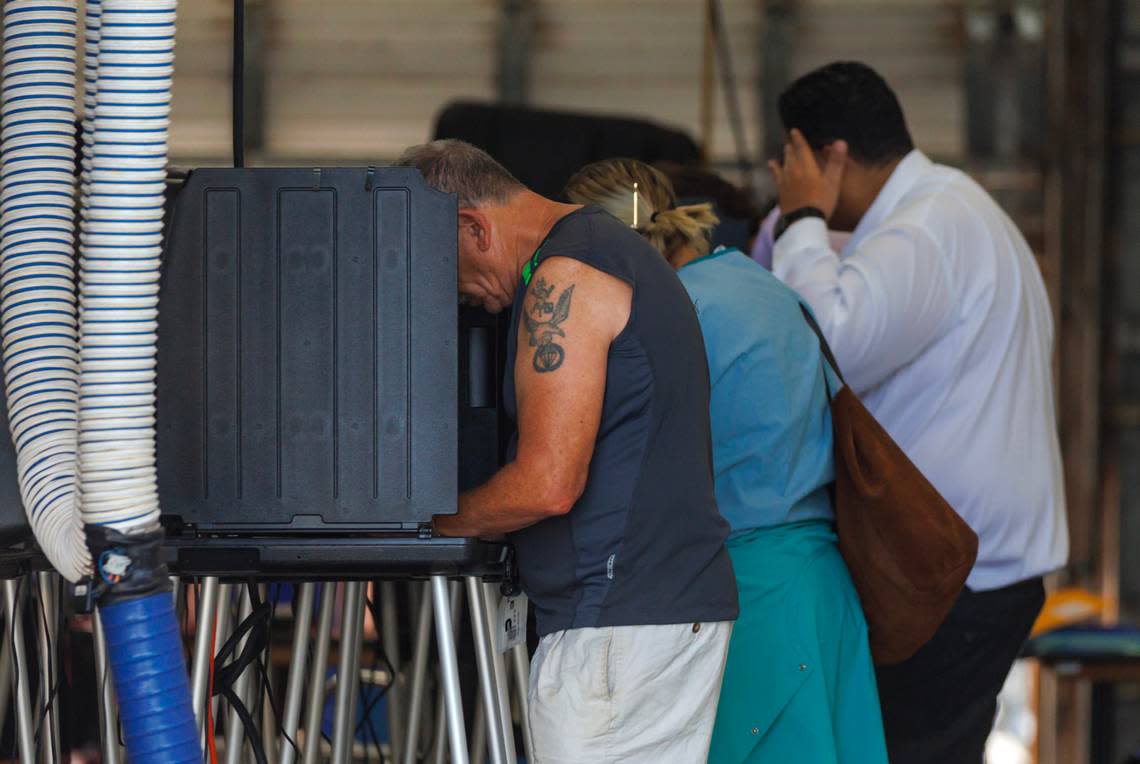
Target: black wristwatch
x: 786, y: 220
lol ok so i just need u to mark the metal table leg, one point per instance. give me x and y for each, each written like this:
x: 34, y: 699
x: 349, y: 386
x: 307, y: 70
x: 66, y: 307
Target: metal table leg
x: 24, y: 713
x: 498, y: 666
x: 520, y: 665
x: 449, y: 670
x: 315, y: 703
x: 295, y: 685
x: 6, y: 666
x: 207, y: 611
x: 263, y: 693
x: 221, y: 634
x: 47, y: 632
x: 108, y: 720
x: 390, y: 634
x: 484, y: 658
x: 479, y: 732
x: 348, y: 672
x: 439, y: 747
x: 419, y: 678
x: 235, y: 733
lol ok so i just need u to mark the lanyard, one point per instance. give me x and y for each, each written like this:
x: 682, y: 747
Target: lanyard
x: 528, y: 268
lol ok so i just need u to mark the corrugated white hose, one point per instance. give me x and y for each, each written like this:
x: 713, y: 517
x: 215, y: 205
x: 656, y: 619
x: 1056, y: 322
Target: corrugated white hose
x: 37, y: 270
x: 93, y: 23
x: 120, y: 251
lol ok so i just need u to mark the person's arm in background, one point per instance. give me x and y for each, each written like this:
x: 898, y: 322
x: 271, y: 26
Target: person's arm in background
x: 879, y: 307
x: 571, y: 315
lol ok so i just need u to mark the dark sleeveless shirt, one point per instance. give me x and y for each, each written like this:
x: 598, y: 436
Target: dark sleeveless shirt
x: 645, y: 543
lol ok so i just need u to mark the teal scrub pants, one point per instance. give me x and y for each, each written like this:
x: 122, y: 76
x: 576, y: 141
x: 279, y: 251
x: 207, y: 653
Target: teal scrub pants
x: 799, y: 684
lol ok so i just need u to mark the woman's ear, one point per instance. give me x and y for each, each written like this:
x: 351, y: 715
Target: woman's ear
x: 474, y: 227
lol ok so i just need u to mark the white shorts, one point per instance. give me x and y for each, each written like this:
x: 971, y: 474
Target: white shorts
x: 627, y: 693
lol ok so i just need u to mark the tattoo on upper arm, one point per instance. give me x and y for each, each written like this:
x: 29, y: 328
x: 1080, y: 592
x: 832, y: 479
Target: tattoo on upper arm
x: 542, y: 321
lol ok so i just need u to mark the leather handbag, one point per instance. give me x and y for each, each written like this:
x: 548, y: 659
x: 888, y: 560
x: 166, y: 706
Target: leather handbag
x: 908, y: 551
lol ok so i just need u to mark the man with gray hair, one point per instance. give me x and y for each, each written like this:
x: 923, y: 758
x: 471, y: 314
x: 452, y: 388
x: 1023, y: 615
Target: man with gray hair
x: 608, y: 493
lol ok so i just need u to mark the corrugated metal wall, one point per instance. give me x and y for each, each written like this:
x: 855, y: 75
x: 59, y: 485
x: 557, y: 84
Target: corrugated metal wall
x: 917, y: 45
x: 361, y: 79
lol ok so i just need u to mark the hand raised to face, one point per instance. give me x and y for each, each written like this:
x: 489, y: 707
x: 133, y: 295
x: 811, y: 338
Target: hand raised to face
x: 801, y: 181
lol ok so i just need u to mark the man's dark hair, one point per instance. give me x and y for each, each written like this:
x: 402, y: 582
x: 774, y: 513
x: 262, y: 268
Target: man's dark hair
x: 456, y: 167
x: 849, y: 101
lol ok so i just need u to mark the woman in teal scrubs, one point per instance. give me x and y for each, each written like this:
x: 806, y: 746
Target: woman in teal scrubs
x: 799, y: 685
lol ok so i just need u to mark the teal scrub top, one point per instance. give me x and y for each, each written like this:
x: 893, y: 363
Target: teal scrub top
x: 771, y: 425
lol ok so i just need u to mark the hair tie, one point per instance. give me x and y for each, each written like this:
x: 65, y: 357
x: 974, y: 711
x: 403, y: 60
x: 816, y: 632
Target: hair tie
x: 653, y: 217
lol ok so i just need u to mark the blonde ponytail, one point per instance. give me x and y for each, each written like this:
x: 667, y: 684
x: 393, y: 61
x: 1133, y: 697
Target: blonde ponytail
x: 669, y: 228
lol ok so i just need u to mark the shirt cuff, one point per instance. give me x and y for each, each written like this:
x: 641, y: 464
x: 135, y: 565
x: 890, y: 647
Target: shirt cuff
x: 808, y: 235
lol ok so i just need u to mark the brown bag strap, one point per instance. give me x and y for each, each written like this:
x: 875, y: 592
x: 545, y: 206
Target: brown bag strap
x: 824, y: 347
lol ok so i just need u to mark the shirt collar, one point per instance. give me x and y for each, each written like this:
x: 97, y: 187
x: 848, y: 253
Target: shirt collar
x: 912, y: 167
x: 720, y: 250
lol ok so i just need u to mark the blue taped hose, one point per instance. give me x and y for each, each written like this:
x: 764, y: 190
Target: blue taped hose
x: 145, y: 651
x: 109, y: 375
x: 124, y: 169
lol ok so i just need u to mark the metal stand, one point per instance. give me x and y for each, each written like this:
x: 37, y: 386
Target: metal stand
x: 485, y: 660
x: 48, y: 633
x: 438, y: 600
x: 24, y: 718
x: 390, y: 634
x: 449, y: 671
x: 206, y: 613
x: 235, y: 733
x: 348, y: 672
x: 269, y: 731
x: 498, y: 665
x: 295, y: 684
x: 479, y: 732
x: 108, y: 720
x: 317, y: 675
x: 520, y: 670
x: 221, y: 633
x: 439, y: 747
x: 419, y: 678
x: 6, y: 665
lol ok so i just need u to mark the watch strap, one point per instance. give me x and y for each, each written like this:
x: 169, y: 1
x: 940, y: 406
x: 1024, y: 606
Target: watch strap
x: 788, y: 218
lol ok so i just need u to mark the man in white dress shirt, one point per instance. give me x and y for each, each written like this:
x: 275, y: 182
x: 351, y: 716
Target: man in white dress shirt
x: 939, y: 319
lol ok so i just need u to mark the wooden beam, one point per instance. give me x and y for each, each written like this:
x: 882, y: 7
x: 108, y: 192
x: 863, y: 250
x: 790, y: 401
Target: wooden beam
x: 1077, y: 87
x: 1074, y: 245
x: 708, y: 81
x: 515, y: 49
x: 777, y: 46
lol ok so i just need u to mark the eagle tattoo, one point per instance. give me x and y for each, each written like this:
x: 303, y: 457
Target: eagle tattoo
x: 543, y: 324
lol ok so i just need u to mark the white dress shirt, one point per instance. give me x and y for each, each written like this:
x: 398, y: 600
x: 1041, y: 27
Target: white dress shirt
x: 939, y: 319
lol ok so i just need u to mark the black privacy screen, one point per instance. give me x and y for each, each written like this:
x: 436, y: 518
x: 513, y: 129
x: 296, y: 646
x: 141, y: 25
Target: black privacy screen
x: 309, y: 349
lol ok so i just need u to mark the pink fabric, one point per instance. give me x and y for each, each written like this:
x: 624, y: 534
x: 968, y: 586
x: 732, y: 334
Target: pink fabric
x: 765, y: 240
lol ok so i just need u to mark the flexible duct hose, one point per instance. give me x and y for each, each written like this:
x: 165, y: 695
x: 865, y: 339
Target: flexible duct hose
x: 37, y: 271
x: 120, y: 252
x: 81, y: 413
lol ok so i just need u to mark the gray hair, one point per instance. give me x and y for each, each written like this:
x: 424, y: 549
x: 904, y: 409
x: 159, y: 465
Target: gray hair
x: 456, y: 167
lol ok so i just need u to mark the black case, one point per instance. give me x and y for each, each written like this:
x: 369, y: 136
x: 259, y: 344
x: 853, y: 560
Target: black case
x: 308, y: 352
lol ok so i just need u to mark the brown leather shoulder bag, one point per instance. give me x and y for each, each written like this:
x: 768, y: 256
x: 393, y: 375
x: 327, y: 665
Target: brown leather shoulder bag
x: 908, y: 551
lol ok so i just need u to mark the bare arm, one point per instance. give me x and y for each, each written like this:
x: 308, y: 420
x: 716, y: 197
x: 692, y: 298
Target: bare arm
x: 571, y: 315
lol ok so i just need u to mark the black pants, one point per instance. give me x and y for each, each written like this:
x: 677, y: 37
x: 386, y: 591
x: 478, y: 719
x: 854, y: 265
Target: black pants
x: 939, y: 706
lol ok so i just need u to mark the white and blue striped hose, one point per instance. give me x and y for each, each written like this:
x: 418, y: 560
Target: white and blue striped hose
x: 38, y: 315
x: 120, y: 254
x: 80, y: 378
